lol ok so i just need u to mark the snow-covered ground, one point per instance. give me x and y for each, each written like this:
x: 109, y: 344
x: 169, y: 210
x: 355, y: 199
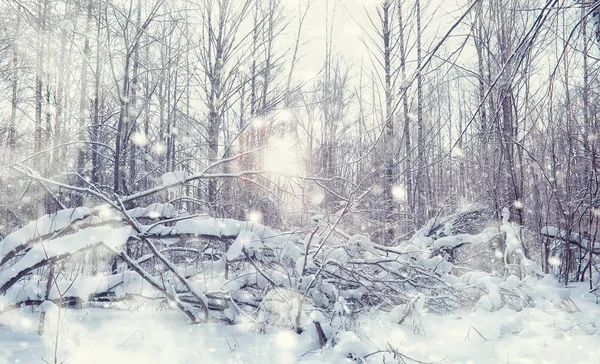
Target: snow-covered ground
x: 96, y: 335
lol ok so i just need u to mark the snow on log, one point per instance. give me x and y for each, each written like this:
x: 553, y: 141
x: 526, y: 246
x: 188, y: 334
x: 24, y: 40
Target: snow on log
x: 119, y: 286
x: 60, y: 248
x: 287, y: 243
x: 246, y: 239
x: 456, y: 241
x: 41, y: 228
x: 154, y: 211
x: 173, y: 178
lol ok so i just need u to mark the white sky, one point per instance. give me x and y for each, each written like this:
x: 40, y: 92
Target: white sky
x: 352, y: 27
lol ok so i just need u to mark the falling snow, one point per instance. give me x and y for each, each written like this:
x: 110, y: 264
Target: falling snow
x: 299, y: 181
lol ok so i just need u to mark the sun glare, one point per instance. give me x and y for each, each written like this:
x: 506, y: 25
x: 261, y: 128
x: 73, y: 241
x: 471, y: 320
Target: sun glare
x: 258, y: 122
x: 254, y: 216
x: 281, y: 157
x: 284, y: 116
x: 399, y: 193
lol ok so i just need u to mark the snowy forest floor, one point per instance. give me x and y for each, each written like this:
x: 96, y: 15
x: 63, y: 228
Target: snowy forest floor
x: 96, y: 335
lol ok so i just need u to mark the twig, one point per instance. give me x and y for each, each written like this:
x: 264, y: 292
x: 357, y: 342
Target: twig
x: 477, y: 331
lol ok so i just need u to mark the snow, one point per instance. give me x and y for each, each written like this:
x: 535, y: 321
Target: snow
x: 286, y: 244
x: 300, y: 265
x: 549, y: 292
x: 505, y: 215
x: 447, y: 242
x: 423, y: 241
x: 513, y: 244
x: 245, y: 240
x: 68, y: 244
x: 455, y: 241
x: 120, y: 284
x: 550, y: 231
x: 345, y: 288
x: 99, y: 336
x: 154, y: 211
x: 363, y: 242
x: 530, y: 267
x: 349, y: 346
x: 511, y: 283
x: 512, y: 241
x: 41, y: 227
x: 173, y: 178
x: 437, y: 264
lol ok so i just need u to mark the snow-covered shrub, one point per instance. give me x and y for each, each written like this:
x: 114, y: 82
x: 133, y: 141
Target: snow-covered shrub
x: 234, y: 270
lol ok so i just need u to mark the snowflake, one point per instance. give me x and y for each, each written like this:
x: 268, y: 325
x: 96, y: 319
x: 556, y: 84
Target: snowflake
x: 254, y: 216
x: 554, y: 261
x: 399, y: 193
x: 139, y: 138
x: 159, y: 148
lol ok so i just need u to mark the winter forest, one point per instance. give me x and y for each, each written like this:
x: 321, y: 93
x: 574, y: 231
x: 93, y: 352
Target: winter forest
x: 299, y: 181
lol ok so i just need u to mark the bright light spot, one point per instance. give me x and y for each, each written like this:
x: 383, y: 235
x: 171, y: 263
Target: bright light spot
x: 317, y: 199
x: 592, y: 137
x: 286, y: 340
x: 258, y: 122
x: 159, y: 148
x: 139, y: 138
x: 281, y: 157
x: 284, y: 116
x: 154, y: 215
x: 317, y: 196
x: 458, y: 152
x: 254, y: 216
x: 399, y: 193
x: 554, y: 261
x: 596, y: 212
x: 498, y: 253
x: 106, y: 213
x: 26, y: 323
x: 518, y: 205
